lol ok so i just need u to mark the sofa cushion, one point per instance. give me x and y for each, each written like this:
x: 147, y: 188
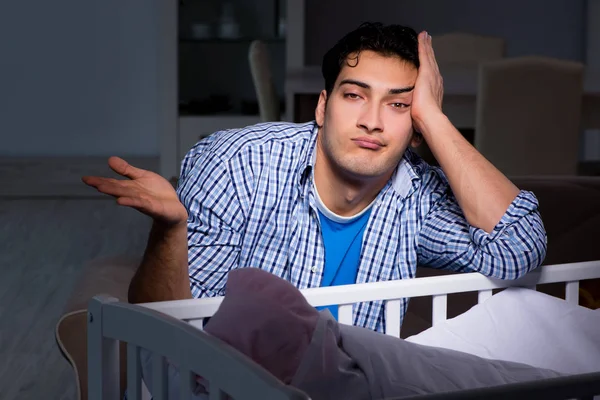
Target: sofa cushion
x: 571, y: 216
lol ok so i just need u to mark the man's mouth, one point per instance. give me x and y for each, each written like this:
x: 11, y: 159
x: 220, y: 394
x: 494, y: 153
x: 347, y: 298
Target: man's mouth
x: 368, y: 143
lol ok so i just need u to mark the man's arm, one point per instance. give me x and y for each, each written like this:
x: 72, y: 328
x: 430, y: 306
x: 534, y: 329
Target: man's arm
x: 482, y: 191
x: 188, y: 253
x: 485, y: 223
x: 215, y: 224
x: 163, y: 272
x: 515, y: 246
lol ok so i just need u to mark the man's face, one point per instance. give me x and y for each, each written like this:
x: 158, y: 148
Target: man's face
x: 366, y: 122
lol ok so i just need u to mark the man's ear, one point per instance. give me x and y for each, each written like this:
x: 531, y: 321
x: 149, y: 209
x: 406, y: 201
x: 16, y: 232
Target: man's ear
x: 417, y: 138
x: 320, y: 110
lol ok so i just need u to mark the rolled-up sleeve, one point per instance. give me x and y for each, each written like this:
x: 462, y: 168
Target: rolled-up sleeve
x: 215, y: 222
x: 515, y: 246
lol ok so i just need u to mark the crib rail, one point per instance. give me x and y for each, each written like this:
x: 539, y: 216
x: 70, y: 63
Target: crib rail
x: 110, y: 321
x: 439, y: 287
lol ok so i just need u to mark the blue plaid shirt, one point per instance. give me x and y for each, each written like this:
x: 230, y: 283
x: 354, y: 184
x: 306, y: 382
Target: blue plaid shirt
x: 251, y: 203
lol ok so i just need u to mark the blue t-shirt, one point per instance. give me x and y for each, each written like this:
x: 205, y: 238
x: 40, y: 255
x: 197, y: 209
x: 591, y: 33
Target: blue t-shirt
x: 343, y: 243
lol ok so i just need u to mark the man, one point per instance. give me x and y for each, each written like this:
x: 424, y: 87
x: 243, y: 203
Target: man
x: 339, y: 200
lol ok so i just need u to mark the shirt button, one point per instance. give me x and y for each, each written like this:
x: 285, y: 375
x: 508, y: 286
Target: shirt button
x: 314, y: 269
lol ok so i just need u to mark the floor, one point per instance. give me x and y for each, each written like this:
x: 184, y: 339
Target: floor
x: 51, y: 225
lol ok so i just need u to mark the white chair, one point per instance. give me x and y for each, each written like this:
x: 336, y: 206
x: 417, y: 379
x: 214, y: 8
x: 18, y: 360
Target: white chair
x: 268, y: 102
x: 466, y: 48
x: 528, y: 115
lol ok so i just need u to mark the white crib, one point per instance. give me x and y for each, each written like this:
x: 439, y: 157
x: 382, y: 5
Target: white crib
x: 169, y: 330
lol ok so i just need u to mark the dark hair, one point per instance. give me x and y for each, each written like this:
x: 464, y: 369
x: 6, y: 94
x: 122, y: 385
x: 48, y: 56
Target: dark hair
x: 390, y: 40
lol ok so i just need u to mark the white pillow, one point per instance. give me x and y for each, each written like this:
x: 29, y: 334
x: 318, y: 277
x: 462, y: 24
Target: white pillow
x: 525, y: 326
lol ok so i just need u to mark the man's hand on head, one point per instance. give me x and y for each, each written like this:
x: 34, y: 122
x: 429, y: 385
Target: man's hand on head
x: 429, y: 88
x: 482, y: 191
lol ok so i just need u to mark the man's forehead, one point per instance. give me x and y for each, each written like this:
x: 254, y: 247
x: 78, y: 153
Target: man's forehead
x: 395, y: 75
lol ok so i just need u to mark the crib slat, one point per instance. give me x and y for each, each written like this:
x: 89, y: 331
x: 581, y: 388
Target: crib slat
x: 345, y: 314
x: 187, y: 384
x: 572, y: 292
x: 483, y: 295
x: 197, y: 323
x: 159, y: 377
x: 134, y: 374
x: 392, y: 318
x: 103, y: 356
x: 440, y: 307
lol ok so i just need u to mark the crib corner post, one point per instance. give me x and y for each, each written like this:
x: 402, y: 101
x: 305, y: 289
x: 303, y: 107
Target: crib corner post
x: 102, y: 354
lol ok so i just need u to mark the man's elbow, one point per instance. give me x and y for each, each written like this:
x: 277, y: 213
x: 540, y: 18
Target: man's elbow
x: 135, y: 293
x: 524, y: 260
x: 512, y: 259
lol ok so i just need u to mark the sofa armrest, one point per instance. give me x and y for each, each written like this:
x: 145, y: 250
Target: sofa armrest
x: 109, y: 276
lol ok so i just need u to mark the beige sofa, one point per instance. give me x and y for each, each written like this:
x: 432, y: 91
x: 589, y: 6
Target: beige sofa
x: 570, y: 208
x: 103, y: 276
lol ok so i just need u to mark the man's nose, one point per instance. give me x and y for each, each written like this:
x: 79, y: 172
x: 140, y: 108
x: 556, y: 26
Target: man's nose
x: 369, y: 118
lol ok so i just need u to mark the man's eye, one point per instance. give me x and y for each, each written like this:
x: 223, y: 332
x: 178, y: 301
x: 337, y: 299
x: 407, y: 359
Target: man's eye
x: 399, y: 105
x: 351, y: 95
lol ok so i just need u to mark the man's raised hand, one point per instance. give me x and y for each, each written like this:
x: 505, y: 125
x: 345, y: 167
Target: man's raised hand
x: 429, y: 87
x: 144, y: 190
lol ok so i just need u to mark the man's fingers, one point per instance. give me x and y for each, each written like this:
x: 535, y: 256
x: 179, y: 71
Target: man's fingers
x: 425, y: 51
x: 117, y: 190
x: 436, y: 70
x: 90, y: 180
x: 426, y: 54
x: 432, y: 60
x: 96, y: 181
x: 422, y: 40
x: 112, y: 187
x: 427, y: 58
x: 122, y: 167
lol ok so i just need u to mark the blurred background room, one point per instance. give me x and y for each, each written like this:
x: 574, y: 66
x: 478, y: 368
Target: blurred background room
x: 146, y: 79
